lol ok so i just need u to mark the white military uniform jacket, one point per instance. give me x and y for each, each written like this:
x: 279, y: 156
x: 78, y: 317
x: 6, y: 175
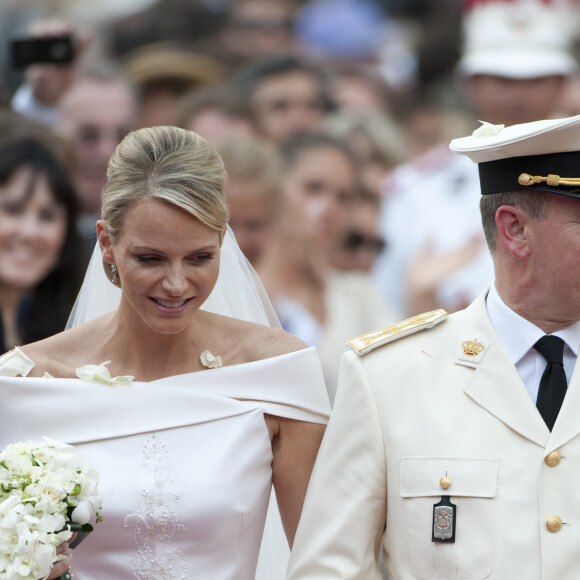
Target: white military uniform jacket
x: 430, y: 405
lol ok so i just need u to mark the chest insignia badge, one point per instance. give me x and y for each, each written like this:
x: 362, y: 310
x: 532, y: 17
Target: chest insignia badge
x: 472, y: 348
x: 444, y: 518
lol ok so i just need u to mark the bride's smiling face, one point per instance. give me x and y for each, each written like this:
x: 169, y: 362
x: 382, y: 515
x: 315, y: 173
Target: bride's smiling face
x: 167, y: 262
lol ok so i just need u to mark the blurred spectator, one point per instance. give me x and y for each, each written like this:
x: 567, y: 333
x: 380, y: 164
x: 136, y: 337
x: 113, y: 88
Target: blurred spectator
x: 39, y: 96
x: 196, y: 22
x: 358, y: 88
x: 360, y: 244
x: 314, y: 301
x: 42, y: 259
x: 96, y: 112
x: 569, y: 104
x: 341, y: 29
x: 253, y: 168
x: 375, y: 140
x: 89, y: 103
x: 162, y: 73
x: 4, y: 97
x: 258, y: 28
x: 427, y: 122
x: 287, y: 95
x: 514, y: 72
x: 215, y: 113
x: 437, y: 44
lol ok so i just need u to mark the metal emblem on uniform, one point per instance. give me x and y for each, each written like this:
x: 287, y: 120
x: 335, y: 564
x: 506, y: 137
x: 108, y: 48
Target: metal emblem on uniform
x: 444, y: 518
x: 472, y: 348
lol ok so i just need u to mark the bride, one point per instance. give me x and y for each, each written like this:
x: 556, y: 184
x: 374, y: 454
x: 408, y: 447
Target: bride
x: 197, y: 413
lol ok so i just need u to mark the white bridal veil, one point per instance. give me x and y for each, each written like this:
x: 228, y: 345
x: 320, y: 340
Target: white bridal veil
x: 238, y: 293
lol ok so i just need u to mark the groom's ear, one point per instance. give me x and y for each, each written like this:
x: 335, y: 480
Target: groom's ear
x: 104, y: 241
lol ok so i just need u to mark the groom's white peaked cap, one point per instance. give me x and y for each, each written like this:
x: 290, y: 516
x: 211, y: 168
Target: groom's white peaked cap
x: 541, y: 148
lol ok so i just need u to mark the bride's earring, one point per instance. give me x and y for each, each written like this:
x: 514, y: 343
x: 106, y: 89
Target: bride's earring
x: 115, y: 273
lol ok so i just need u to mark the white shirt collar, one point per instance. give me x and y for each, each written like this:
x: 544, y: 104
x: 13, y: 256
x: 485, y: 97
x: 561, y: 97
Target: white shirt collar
x: 517, y: 334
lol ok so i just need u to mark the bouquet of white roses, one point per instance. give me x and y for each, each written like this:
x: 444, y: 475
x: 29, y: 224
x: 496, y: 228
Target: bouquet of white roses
x: 47, y: 492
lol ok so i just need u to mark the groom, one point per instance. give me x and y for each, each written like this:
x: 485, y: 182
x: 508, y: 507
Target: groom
x: 454, y: 449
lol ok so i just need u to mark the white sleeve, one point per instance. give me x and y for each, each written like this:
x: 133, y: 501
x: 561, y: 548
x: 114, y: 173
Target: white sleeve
x: 24, y: 103
x: 344, y: 515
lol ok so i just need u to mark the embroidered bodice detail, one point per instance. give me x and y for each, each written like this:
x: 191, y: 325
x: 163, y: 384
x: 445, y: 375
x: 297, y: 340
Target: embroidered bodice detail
x: 156, y: 524
x: 185, y: 462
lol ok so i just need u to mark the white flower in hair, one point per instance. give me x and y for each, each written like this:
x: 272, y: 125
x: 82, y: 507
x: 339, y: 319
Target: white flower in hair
x: 488, y: 129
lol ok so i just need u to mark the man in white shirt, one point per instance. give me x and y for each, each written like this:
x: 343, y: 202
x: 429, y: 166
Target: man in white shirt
x: 456, y: 451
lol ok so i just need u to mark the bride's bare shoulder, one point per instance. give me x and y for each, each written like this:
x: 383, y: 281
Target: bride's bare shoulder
x: 60, y: 354
x: 250, y: 341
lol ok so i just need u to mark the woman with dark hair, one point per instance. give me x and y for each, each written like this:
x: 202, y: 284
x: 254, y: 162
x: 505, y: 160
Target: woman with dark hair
x: 42, y: 257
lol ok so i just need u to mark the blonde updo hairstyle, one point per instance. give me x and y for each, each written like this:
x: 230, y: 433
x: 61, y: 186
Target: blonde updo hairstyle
x: 166, y: 163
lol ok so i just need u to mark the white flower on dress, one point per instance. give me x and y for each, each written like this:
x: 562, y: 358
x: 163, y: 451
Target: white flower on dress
x: 40, y: 485
x: 488, y: 129
x: 209, y: 360
x: 15, y: 363
x: 101, y: 374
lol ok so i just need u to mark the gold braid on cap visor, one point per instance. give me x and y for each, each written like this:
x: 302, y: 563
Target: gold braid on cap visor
x: 551, y: 180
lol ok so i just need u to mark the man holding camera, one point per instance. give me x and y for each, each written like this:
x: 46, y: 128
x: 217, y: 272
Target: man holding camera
x: 87, y: 101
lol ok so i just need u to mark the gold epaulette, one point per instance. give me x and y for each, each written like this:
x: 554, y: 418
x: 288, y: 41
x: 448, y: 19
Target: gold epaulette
x: 371, y: 340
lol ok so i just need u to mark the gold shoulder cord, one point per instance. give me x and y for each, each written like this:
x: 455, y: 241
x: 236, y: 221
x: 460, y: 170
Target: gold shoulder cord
x: 551, y: 180
x: 366, y: 342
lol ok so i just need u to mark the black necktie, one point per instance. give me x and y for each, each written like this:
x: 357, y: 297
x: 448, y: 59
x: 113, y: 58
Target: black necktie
x: 553, y: 383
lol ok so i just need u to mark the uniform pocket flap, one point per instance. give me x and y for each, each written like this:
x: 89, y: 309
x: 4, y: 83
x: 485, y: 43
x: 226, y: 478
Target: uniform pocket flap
x: 467, y: 476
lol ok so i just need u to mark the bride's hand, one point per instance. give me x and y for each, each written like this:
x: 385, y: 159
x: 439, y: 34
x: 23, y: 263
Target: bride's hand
x: 63, y: 565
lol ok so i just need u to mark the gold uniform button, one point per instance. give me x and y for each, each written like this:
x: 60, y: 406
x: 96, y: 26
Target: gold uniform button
x: 554, y: 524
x: 445, y: 482
x: 553, y: 458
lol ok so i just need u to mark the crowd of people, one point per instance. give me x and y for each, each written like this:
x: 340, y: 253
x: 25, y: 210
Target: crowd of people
x: 408, y: 236
x: 251, y: 82
x: 302, y: 145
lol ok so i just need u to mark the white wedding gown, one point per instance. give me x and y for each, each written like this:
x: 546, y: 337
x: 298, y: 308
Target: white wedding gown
x: 184, y: 462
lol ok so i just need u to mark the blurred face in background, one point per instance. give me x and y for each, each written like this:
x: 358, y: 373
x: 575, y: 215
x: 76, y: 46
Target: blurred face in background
x: 509, y: 101
x: 251, y: 208
x: 215, y: 124
x: 361, y: 242
x: 316, y: 191
x: 95, y: 117
x: 33, y: 227
x: 259, y: 28
x: 287, y: 104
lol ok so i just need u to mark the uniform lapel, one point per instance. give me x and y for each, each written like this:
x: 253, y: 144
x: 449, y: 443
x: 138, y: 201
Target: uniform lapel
x: 495, y: 384
x: 567, y: 424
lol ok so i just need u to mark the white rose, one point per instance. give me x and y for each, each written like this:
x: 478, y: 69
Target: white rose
x: 83, y: 513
